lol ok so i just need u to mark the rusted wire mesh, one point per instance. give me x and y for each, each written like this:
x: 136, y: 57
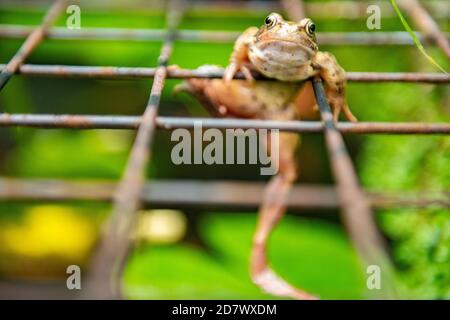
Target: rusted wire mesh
x: 132, y: 190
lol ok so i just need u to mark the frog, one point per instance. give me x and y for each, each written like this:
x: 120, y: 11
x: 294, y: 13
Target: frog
x: 287, y: 54
x: 288, y: 51
x: 269, y: 100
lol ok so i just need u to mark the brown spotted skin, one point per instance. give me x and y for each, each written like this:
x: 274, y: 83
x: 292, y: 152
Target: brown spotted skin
x: 269, y: 100
x: 287, y: 51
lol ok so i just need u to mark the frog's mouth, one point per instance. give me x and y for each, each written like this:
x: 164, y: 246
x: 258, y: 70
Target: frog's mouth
x: 284, y: 45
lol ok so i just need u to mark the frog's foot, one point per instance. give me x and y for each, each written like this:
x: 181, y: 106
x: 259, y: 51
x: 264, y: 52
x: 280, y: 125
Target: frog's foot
x: 270, y: 282
x: 348, y: 114
x: 182, y: 87
x: 338, y: 104
x: 335, y: 82
x: 233, y: 68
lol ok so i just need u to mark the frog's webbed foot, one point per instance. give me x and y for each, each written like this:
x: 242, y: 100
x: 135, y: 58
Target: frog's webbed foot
x: 348, y: 113
x: 334, y: 78
x: 239, y: 58
x: 338, y: 104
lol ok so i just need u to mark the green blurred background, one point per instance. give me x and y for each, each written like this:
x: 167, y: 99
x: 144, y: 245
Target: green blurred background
x: 206, y: 255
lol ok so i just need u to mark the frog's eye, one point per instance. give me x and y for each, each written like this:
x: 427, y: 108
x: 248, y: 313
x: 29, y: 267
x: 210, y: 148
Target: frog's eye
x: 270, y: 20
x: 310, y: 28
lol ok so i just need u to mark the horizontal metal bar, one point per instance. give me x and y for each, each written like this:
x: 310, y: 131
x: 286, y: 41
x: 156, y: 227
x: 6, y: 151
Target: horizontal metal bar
x: 323, y: 10
x: 205, y: 194
x: 171, y: 123
x: 119, y: 34
x: 113, y: 72
x: 294, y: 9
x: 33, y: 39
x: 398, y: 77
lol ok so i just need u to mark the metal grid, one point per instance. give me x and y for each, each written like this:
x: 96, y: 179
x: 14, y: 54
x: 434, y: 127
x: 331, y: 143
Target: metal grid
x: 129, y: 194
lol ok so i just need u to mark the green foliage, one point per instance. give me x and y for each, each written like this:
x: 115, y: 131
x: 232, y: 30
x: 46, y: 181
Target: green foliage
x: 87, y: 154
x: 311, y: 254
x: 420, y: 237
x: 422, y: 242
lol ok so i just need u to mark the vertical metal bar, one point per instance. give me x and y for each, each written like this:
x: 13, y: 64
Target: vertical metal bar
x: 426, y: 23
x: 107, y: 264
x: 31, y: 42
x: 294, y: 8
x: 357, y: 213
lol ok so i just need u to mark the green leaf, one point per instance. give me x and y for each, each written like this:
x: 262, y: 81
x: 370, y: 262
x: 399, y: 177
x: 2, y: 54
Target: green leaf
x: 300, y: 250
x: 183, y: 272
x: 414, y: 37
x: 312, y: 255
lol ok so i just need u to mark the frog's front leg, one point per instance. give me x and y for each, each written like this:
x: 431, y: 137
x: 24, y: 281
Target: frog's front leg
x: 239, y: 60
x: 334, y: 77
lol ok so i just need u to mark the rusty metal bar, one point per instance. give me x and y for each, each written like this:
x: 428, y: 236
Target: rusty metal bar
x: 31, y: 42
x: 294, y: 8
x: 358, y: 9
x: 171, y: 123
x: 342, y: 159
x: 355, y: 206
x: 426, y: 23
x: 207, y: 194
x: 108, y: 261
x: 114, y: 72
x: 357, y: 212
x: 330, y: 9
x: 362, y: 38
x: 398, y: 77
x: 124, y: 34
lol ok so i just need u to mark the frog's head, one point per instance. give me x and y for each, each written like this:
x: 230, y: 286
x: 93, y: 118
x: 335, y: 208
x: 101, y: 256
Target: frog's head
x: 287, y: 35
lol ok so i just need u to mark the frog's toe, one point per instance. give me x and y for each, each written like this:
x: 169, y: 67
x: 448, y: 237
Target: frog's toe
x: 230, y: 71
x: 223, y: 110
x: 247, y: 74
x: 182, y: 87
x: 336, y: 112
x: 348, y: 114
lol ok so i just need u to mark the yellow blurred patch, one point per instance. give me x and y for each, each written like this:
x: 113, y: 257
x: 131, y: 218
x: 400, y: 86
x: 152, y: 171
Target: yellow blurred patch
x: 161, y: 226
x: 51, y: 230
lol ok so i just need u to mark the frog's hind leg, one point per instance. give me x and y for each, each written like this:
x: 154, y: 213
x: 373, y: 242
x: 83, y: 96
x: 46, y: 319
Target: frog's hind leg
x: 271, y: 211
x: 199, y: 89
x: 334, y: 77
